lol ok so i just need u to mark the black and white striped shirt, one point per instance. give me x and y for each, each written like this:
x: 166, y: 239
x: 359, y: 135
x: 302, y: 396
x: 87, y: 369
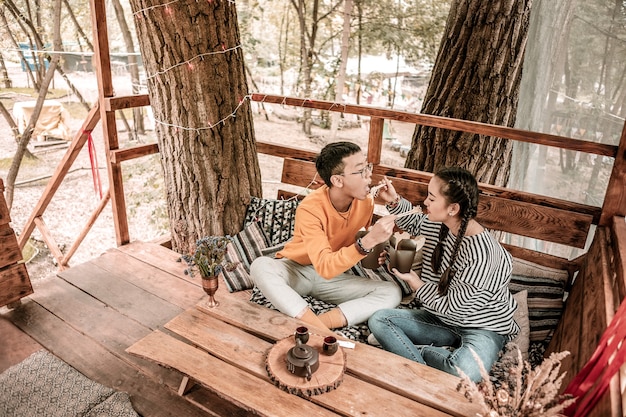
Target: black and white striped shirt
x: 478, y: 295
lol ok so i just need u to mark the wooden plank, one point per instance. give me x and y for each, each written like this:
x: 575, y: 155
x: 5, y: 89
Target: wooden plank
x: 179, y: 292
x: 618, y: 250
x: 10, y: 253
x: 149, y: 397
x: 520, y: 218
x: 544, y: 259
x: 285, y: 151
x: 5, y: 216
x: 447, y: 123
x: 159, y: 256
x: 247, y: 352
x: 594, y: 312
x: 121, y: 295
x: 14, y: 284
x: 126, y: 102
x: 436, y: 389
x: 233, y: 384
x: 121, y: 155
x: 16, y: 345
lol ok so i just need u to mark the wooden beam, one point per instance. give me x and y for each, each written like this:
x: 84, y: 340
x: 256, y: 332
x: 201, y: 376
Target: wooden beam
x: 14, y: 284
x: 92, y: 219
x: 50, y: 242
x: 109, y: 128
x: 448, y: 123
x: 59, y: 174
x: 119, y: 155
x: 126, y: 102
x: 615, y: 197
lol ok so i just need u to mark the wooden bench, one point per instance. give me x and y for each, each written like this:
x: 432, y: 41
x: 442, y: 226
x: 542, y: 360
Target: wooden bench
x: 14, y: 281
x: 597, y: 282
x: 224, y: 350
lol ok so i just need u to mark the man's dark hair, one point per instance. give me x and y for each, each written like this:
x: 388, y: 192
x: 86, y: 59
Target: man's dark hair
x: 329, y: 162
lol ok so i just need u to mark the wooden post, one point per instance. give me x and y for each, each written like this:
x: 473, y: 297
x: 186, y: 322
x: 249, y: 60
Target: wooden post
x: 109, y: 128
x: 615, y: 197
x: 375, y: 144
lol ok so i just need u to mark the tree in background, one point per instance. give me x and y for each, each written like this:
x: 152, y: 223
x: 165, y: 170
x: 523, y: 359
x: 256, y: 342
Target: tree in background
x: 476, y: 77
x: 197, y: 85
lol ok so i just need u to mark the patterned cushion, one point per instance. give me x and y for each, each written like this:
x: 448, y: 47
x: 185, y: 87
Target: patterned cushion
x: 546, y: 289
x: 276, y: 217
x: 245, y: 247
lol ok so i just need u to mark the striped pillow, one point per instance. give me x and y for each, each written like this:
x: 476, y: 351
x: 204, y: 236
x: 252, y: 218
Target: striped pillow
x: 546, y: 289
x: 245, y: 247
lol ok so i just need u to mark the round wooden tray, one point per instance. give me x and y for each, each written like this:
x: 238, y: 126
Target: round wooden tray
x: 327, y: 377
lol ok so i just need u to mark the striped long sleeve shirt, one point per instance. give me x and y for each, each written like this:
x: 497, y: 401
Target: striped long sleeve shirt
x: 478, y: 295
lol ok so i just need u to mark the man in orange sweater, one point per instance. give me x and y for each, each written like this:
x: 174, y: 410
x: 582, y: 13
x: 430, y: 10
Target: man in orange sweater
x: 317, y: 260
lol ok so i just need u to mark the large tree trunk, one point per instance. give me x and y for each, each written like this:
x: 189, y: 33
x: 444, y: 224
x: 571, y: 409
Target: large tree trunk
x: 476, y: 77
x: 197, y: 87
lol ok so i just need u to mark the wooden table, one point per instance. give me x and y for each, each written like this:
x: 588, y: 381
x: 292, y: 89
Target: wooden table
x: 224, y: 349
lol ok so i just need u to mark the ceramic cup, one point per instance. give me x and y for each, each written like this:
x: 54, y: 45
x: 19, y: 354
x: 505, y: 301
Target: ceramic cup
x: 330, y: 345
x: 302, y: 334
x: 371, y: 260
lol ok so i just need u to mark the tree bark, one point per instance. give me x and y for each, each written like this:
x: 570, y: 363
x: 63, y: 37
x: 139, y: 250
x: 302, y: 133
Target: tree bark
x: 197, y: 86
x: 476, y: 77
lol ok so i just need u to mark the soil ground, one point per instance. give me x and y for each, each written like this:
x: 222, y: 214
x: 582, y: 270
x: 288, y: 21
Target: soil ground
x: 77, y: 198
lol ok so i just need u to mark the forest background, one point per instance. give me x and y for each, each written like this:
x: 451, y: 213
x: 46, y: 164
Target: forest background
x: 393, y: 46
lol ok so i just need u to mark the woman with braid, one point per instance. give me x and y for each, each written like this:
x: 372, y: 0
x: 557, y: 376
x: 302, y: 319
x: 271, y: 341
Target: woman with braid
x: 463, y: 289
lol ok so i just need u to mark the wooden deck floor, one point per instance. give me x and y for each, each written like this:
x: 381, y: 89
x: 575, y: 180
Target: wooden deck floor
x: 92, y: 312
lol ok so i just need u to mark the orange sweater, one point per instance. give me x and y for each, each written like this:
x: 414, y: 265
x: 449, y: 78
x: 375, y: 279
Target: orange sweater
x: 323, y: 237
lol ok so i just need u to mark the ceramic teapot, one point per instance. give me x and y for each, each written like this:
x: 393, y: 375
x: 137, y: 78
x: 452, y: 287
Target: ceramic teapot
x: 302, y: 360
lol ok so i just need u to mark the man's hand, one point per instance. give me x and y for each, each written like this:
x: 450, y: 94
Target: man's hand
x: 380, y: 232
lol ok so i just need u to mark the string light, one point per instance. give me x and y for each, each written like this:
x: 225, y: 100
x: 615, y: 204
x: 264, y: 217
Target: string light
x: 233, y: 115
x: 187, y: 62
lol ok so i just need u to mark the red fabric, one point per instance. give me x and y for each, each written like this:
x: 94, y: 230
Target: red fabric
x: 593, y: 380
x: 93, y: 159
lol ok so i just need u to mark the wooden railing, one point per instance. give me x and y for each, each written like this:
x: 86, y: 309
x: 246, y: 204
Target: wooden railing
x: 576, y: 228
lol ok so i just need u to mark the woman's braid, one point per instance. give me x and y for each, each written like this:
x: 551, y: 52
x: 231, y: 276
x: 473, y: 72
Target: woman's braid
x: 462, y: 188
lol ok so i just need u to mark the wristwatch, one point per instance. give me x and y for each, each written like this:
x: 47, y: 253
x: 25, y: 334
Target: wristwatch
x: 361, y: 249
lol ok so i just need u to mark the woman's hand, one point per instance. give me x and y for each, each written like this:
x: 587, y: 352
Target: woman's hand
x: 411, y: 278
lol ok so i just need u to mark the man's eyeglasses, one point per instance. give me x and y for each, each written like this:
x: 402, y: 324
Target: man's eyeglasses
x: 363, y: 172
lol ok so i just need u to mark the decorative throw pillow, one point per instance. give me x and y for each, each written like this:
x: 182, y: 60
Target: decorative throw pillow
x: 522, y: 340
x: 546, y: 289
x: 245, y: 247
x: 276, y: 217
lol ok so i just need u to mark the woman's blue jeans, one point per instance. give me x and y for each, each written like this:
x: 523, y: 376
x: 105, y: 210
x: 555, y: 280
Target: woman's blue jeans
x: 420, y: 336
